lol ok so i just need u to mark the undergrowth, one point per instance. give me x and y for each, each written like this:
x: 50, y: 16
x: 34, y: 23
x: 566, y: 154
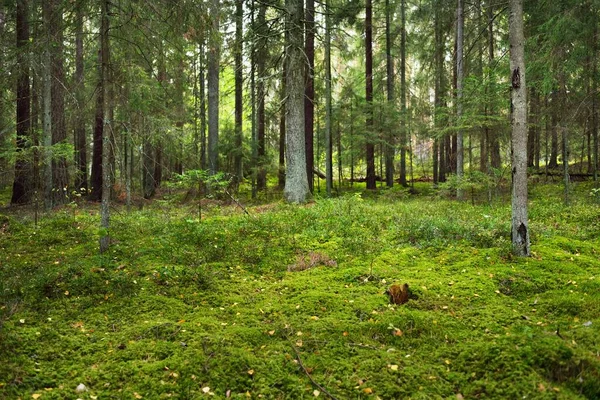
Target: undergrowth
x: 256, y: 306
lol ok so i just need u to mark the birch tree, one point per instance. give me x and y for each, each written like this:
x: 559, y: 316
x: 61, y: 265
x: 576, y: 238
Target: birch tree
x: 520, y: 225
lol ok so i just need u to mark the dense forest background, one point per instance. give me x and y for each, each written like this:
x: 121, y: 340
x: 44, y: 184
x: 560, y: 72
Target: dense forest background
x: 183, y: 90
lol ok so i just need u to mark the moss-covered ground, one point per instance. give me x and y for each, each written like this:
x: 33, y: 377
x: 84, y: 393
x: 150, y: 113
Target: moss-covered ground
x: 187, y: 309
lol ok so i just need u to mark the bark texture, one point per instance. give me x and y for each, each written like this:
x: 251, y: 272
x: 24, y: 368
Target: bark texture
x: 370, y: 147
x: 520, y: 223
x: 296, y: 182
x: 22, y: 184
x: 213, y: 89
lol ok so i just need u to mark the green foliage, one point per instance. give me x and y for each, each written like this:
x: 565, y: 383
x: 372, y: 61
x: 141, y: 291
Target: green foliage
x: 179, y: 307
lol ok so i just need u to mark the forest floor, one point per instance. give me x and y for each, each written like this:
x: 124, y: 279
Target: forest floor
x: 289, y: 302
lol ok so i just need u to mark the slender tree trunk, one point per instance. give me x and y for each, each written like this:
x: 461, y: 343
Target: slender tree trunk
x: 370, y: 146
x: 239, y: 90
x: 403, y: 114
x: 148, y: 186
x: 281, y: 174
x: 564, y: 132
x: 390, y: 145
x: 339, y: 152
x: 531, y: 136
x: 459, y: 94
x: 553, y: 163
x: 202, y: 79
x: 296, y: 183
x: 309, y: 96
x: 261, y: 177
x: 97, y: 174
x: 81, y: 182
x: 594, y: 85
x: 494, y: 142
x: 328, y: 141
x: 106, y: 164
x: 438, y: 147
x: 213, y: 88
x: 253, y: 120
x: 22, y: 192
x: 60, y: 177
x: 520, y: 223
x: 47, y: 104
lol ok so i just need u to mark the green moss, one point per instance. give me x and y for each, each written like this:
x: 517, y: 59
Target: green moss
x: 177, y: 305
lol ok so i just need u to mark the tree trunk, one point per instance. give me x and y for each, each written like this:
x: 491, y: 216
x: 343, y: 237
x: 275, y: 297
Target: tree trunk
x: 531, y: 136
x: 81, y: 182
x: 460, y: 25
x: 438, y: 144
x: 520, y: 223
x: 213, y: 88
x: 594, y: 85
x: 148, y: 186
x: 553, y: 163
x: 97, y: 174
x: 60, y: 177
x: 403, y: 114
x: 281, y: 174
x: 202, y: 79
x: 309, y: 96
x: 261, y: 176
x: 296, y: 183
x: 494, y: 142
x: 370, y: 146
x: 239, y: 91
x: 106, y: 164
x: 22, y: 191
x: 390, y: 145
x: 328, y: 141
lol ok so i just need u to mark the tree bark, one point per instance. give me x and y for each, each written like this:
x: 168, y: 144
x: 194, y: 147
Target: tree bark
x: 261, y: 176
x: 81, y: 181
x: 281, y: 174
x: 370, y: 146
x: 97, y: 173
x: 390, y: 145
x: 309, y: 96
x: 214, y: 44
x: 296, y: 183
x: 520, y: 223
x: 328, y: 141
x: 239, y: 90
x: 60, y: 177
x: 403, y: 111
x: 460, y: 24
x: 106, y: 159
x: 22, y: 190
x: 494, y: 143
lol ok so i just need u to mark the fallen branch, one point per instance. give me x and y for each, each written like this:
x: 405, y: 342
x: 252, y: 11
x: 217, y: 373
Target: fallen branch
x: 237, y: 202
x: 309, y: 376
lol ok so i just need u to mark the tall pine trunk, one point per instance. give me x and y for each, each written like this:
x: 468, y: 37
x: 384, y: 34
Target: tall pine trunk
x: 261, y: 176
x: 390, y: 142
x: 309, y: 97
x: 403, y: 111
x: 239, y: 91
x: 460, y: 25
x: 60, y: 177
x: 81, y: 181
x: 328, y: 141
x: 106, y: 119
x: 370, y: 146
x: 213, y: 88
x: 296, y: 181
x: 22, y: 192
